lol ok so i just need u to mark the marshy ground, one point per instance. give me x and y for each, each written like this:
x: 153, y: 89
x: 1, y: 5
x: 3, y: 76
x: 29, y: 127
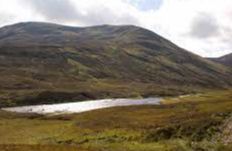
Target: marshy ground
x: 199, y: 122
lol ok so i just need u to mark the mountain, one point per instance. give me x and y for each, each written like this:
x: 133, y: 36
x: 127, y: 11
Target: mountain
x: 46, y: 63
x: 225, y: 60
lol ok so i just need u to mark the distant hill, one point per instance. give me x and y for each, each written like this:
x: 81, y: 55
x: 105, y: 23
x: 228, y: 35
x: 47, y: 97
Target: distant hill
x: 225, y: 60
x: 45, y: 63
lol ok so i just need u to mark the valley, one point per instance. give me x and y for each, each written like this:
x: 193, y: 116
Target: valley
x: 193, y: 122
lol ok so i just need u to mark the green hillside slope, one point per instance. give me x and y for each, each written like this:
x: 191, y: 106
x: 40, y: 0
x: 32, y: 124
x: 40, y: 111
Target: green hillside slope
x: 46, y: 63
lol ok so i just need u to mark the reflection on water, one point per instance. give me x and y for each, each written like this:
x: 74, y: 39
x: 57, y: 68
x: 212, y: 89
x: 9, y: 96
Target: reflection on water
x: 78, y: 107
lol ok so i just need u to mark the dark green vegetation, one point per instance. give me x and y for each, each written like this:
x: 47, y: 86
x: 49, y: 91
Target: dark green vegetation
x: 47, y: 63
x: 192, y: 123
x: 225, y: 60
x: 39, y: 148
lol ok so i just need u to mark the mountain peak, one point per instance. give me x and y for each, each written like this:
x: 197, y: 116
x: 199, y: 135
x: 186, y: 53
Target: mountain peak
x: 24, y: 24
x: 225, y: 60
x: 38, y: 32
x: 54, y: 25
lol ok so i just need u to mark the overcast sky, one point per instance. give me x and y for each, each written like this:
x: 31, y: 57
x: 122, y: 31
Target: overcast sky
x: 201, y: 26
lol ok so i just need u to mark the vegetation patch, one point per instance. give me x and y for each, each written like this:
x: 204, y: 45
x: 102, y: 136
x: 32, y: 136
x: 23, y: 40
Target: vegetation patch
x: 187, y: 123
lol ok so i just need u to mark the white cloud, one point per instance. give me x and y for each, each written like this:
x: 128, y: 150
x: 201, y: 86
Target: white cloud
x: 176, y: 19
x: 54, y: 10
x: 201, y: 26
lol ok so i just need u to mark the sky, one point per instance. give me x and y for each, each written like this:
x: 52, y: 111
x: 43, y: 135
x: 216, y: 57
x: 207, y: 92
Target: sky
x: 203, y: 27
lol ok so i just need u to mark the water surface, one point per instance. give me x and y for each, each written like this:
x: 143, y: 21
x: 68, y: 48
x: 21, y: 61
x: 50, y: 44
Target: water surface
x: 78, y: 107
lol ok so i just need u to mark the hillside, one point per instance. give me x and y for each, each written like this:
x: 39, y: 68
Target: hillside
x: 46, y: 63
x: 225, y: 60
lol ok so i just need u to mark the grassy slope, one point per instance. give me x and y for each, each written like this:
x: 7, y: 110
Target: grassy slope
x: 92, y: 89
x: 185, y: 123
x: 47, y: 63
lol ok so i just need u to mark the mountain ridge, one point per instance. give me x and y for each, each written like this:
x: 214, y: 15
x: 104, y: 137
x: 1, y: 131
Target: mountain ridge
x: 225, y: 60
x: 50, y: 62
